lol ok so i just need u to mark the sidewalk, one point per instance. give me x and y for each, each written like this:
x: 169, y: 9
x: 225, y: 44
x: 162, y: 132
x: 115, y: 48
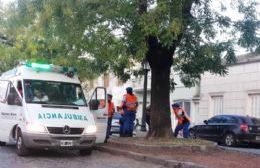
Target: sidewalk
x: 181, y: 153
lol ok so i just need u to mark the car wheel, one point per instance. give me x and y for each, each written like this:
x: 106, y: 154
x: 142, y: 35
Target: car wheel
x: 21, y: 149
x: 193, y: 134
x: 84, y: 152
x: 229, y: 139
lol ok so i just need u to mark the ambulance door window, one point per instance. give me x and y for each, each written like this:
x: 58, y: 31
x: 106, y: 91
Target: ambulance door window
x: 98, y: 99
x: 13, y: 97
x: 101, y: 96
x: 3, y: 90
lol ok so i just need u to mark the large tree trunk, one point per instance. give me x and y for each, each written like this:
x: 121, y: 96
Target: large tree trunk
x: 160, y: 60
x: 160, y: 109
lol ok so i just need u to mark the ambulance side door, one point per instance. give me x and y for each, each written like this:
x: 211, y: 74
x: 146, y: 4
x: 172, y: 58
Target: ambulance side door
x: 10, y: 109
x: 98, y: 107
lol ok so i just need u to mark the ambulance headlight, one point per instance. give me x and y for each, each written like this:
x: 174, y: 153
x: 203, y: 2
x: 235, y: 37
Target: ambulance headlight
x: 91, y: 129
x: 35, y: 128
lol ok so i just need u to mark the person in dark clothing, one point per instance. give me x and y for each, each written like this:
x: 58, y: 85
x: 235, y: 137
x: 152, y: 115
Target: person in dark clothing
x: 121, y: 120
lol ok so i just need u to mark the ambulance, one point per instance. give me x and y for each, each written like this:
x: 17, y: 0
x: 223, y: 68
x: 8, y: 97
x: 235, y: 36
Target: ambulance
x: 43, y: 106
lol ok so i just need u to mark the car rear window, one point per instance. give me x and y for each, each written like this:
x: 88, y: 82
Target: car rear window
x: 233, y: 120
x: 246, y: 120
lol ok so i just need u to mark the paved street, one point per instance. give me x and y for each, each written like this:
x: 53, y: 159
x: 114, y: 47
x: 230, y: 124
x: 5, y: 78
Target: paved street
x: 67, y: 159
x: 244, y: 149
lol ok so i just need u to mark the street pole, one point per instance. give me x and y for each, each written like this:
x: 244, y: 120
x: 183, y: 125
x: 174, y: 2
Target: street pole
x: 143, y: 126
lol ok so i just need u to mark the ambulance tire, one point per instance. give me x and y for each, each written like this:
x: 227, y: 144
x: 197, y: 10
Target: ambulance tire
x: 85, y: 152
x: 21, y: 149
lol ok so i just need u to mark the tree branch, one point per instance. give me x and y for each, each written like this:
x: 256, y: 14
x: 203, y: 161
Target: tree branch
x: 187, y: 16
x: 142, y: 7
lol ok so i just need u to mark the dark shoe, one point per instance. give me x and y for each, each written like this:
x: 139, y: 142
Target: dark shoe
x: 123, y: 135
x: 127, y: 135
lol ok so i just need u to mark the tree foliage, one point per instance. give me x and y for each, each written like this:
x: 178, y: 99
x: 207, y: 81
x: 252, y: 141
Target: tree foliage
x: 112, y: 34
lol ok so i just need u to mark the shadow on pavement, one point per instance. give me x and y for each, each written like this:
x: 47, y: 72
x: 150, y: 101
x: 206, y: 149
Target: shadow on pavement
x: 47, y: 153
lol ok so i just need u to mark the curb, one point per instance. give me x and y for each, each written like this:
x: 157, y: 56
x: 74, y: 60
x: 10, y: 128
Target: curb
x: 238, y: 151
x: 150, y: 159
x: 142, y: 147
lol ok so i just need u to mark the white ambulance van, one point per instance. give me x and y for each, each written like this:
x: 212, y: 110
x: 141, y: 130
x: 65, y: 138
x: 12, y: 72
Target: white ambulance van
x: 43, y: 106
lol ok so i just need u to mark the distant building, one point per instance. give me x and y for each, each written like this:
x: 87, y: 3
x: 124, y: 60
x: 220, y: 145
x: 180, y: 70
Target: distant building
x: 236, y: 93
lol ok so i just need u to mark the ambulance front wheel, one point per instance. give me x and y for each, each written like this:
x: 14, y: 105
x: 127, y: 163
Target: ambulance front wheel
x: 21, y: 149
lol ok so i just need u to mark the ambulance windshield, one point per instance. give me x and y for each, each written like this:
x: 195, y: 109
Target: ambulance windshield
x: 52, y: 92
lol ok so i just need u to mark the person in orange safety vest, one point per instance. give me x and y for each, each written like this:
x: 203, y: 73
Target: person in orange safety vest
x: 129, y: 105
x: 111, y: 110
x: 183, y: 120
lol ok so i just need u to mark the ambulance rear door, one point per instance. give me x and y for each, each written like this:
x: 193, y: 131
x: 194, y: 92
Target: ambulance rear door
x: 10, y: 109
x: 98, y: 107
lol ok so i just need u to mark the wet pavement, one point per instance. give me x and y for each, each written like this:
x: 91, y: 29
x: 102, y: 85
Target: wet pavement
x: 67, y: 159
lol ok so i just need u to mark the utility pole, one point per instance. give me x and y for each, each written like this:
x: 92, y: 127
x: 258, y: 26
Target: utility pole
x: 146, y: 70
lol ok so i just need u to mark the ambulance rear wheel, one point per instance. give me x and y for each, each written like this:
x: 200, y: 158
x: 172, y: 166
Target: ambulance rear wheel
x: 84, y: 152
x: 21, y: 149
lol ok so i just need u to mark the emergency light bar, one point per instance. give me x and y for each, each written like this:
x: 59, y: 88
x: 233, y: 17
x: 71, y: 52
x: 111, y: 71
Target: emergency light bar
x: 38, y: 66
x: 69, y: 71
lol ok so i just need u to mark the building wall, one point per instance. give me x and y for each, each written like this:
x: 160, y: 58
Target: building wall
x: 236, y: 90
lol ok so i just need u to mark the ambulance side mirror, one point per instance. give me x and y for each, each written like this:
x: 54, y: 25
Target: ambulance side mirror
x: 12, y: 99
x: 93, y: 104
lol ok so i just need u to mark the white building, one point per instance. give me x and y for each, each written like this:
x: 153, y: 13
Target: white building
x: 237, y: 93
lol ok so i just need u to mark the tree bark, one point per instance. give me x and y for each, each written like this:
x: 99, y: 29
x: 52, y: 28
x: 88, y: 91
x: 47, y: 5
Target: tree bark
x: 160, y: 109
x: 160, y: 60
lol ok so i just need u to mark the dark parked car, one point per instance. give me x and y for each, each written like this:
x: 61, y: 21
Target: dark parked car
x: 228, y: 129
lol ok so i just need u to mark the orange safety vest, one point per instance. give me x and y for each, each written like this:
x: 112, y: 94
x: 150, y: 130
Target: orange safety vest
x: 130, y: 102
x: 111, y: 109
x: 181, y: 119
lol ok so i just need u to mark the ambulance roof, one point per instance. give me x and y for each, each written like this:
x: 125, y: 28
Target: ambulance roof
x: 47, y: 72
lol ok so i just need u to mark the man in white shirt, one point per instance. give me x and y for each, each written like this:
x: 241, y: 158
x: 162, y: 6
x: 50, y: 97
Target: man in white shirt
x: 39, y: 96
